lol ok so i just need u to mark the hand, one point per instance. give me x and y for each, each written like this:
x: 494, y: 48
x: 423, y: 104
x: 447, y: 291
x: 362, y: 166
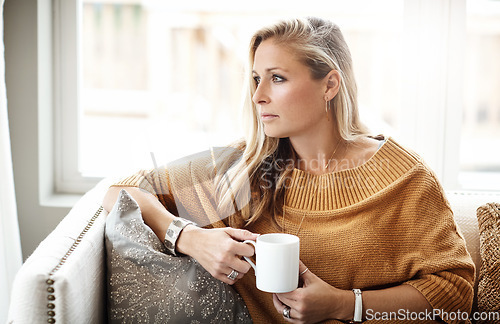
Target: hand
x: 218, y: 250
x: 315, y: 301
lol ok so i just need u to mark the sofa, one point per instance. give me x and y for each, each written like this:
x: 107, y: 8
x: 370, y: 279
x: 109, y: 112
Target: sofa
x: 64, y: 280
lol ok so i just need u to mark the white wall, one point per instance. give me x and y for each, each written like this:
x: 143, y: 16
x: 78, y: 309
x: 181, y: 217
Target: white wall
x: 26, y: 93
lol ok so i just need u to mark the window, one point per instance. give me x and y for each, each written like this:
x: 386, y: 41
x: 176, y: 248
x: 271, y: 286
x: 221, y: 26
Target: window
x: 479, y: 153
x: 141, y: 77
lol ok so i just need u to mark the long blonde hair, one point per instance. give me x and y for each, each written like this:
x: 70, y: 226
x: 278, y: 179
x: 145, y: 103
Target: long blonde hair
x: 266, y: 164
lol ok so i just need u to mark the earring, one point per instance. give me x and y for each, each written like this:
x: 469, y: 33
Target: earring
x: 327, y: 108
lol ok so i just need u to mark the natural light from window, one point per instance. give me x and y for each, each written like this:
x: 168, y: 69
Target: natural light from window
x: 167, y: 78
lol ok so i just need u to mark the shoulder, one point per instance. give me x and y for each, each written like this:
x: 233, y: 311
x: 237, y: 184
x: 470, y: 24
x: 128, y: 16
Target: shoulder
x: 419, y: 176
x: 399, y: 164
x: 366, y: 147
x: 403, y: 156
x: 361, y: 150
x: 399, y: 153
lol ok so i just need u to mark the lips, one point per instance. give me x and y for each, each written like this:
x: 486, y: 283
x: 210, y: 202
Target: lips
x: 267, y: 116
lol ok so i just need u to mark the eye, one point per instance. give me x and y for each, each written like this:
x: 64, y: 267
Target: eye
x: 256, y: 79
x: 278, y: 79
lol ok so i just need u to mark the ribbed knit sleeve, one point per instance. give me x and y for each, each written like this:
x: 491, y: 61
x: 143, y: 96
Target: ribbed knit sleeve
x: 446, y: 275
x: 450, y: 294
x: 154, y: 181
x: 186, y: 187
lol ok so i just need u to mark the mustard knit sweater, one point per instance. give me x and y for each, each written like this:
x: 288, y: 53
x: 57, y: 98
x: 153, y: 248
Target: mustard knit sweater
x: 384, y: 223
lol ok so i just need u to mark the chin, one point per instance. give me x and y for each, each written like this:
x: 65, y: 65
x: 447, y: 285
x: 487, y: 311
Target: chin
x: 277, y: 134
x: 274, y: 135
x: 274, y: 132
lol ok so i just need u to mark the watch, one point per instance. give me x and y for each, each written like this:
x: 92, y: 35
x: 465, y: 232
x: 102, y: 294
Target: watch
x: 173, y: 231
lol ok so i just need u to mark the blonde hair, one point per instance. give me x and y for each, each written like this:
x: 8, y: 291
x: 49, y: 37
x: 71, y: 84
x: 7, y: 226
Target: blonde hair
x: 266, y: 163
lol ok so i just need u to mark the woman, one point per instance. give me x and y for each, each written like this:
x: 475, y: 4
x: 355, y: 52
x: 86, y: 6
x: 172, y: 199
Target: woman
x: 370, y: 215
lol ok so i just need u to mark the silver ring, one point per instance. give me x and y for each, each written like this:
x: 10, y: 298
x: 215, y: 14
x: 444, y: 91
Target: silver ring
x: 286, y: 312
x: 303, y: 272
x: 233, y: 275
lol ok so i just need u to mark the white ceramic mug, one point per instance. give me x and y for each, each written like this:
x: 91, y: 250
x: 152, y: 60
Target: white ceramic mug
x: 277, y: 259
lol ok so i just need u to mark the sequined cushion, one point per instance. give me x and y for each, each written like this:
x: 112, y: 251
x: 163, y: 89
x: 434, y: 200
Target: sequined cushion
x: 147, y: 285
x: 488, y: 295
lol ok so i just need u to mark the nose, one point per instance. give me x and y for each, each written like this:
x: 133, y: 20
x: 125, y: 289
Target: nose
x: 260, y: 96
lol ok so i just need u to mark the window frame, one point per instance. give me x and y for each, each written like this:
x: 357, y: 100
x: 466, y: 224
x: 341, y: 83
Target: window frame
x: 67, y: 79
x: 429, y: 25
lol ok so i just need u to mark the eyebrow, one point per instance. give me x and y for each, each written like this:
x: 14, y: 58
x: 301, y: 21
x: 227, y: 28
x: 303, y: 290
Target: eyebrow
x: 271, y: 69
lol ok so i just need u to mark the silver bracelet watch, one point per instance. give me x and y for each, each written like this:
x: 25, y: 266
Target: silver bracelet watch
x: 173, y: 231
x: 358, y: 306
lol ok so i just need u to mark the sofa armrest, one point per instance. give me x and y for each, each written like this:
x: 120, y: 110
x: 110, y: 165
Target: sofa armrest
x: 63, y: 281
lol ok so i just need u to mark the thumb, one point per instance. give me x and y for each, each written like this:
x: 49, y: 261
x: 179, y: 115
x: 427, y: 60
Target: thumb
x: 305, y: 274
x: 241, y: 234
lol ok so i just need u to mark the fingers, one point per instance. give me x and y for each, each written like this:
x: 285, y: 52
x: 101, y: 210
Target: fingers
x: 287, y: 299
x: 241, y: 234
x: 222, y: 251
x: 229, y: 259
x: 302, y: 267
x: 305, y: 274
x: 228, y: 277
x: 281, y: 309
x: 234, y: 272
x: 238, y: 247
x: 240, y: 265
x: 278, y: 304
x: 223, y: 269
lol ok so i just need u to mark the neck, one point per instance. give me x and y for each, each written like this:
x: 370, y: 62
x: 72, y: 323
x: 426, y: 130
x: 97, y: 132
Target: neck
x: 316, y: 158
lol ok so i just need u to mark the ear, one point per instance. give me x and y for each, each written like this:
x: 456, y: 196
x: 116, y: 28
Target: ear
x: 332, y: 80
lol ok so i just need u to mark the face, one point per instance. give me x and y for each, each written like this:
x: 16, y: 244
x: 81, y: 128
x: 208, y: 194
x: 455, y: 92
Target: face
x: 289, y: 102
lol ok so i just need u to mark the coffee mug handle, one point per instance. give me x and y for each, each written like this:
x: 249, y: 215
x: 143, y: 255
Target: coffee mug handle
x: 248, y: 259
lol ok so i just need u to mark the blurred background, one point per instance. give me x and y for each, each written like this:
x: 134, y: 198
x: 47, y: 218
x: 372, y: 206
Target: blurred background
x: 167, y: 78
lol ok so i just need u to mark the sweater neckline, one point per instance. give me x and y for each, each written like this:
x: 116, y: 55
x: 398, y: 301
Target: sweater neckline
x: 343, y: 188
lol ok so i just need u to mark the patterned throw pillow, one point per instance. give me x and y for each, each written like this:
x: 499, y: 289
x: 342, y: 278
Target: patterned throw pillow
x: 147, y: 285
x: 488, y: 217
